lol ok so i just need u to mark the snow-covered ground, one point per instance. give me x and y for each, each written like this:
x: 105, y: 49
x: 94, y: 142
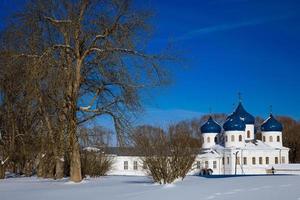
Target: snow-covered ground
x: 121, y: 187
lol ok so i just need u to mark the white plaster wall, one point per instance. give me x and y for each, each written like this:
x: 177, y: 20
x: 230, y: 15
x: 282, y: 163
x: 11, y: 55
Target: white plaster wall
x: 212, y: 140
x: 274, y: 134
x: 216, y: 169
x: 118, y: 166
x: 249, y: 127
x: 226, y: 169
x: 236, y: 142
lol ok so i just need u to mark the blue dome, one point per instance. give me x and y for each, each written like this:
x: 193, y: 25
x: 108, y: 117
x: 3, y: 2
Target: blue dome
x: 244, y: 115
x: 234, y: 123
x: 271, y: 124
x: 211, y: 126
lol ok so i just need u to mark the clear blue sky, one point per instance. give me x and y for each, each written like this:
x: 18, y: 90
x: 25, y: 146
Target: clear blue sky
x: 229, y: 46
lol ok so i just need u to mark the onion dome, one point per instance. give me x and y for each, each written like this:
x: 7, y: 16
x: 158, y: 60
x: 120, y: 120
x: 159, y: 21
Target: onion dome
x: 211, y: 126
x: 234, y: 123
x: 271, y: 124
x: 244, y: 115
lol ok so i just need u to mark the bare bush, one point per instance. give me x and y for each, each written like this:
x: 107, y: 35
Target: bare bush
x: 167, y: 155
x: 95, y: 163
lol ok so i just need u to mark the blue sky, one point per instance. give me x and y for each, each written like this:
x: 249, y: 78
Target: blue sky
x: 228, y: 46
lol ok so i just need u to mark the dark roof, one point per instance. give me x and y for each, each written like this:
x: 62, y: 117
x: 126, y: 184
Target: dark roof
x: 234, y: 123
x: 244, y: 115
x: 211, y: 126
x: 271, y: 124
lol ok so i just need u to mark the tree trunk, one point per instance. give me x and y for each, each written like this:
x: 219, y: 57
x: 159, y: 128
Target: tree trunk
x: 59, y: 168
x: 75, y: 168
x: 2, y: 171
x: 75, y: 162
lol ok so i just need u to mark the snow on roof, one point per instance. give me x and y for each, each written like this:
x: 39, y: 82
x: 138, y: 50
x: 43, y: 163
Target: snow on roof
x: 258, y: 144
x: 209, y: 154
x: 91, y: 149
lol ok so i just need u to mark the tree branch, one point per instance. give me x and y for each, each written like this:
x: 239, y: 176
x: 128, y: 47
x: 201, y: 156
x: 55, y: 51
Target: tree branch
x: 56, y: 21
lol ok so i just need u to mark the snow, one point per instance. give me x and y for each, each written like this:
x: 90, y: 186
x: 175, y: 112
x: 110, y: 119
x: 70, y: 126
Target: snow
x: 91, y: 149
x: 128, y: 187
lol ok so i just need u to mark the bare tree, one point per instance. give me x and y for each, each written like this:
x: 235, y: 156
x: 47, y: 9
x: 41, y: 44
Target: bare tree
x: 168, y: 156
x: 96, y: 49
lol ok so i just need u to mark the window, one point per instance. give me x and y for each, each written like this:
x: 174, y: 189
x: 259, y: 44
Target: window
x: 226, y: 138
x: 223, y: 161
x: 283, y: 159
x: 135, y: 165
x: 264, y: 138
x: 215, y: 164
x: 267, y: 160
x: 227, y: 160
x: 144, y: 165
x: 240, y: 138
x: 208, y: 139
x: 248, y: 134
x: 206, y: 164
x: 271, y: 139
x: 260, y: 160
x: 253, y: 161
x: 276, y: 160
x: 216, y: 139
x: 232, y: 138
x: 278, y: 138
x: 245, y: 161
x: 238, y: 160
x: 198, y: 165
x: 125, y: 165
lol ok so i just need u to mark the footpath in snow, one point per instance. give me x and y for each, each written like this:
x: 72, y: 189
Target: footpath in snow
x: 279, y: 187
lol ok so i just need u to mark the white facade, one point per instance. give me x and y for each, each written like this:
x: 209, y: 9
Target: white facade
x: 209, y: 140
x: 238, y: 153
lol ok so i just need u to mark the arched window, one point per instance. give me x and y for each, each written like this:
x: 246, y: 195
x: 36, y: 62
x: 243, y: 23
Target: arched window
x: 271, y: 138
x: 248, y: 134
x: 226, y: 138
x: 245, y: 161
x: 216, y: 139
x: 264, y: 138
x: 253, y: 161
x: 208, y: 139
x: 267, y: 160
x: 278, y: 138
x: 232, y: 138
x: 240, y: 138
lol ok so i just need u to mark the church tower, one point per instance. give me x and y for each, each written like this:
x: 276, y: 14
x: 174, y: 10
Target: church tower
x: 210, y: 130
x: 249, y: 121
x: 234, y: 131
x: 271, y: 130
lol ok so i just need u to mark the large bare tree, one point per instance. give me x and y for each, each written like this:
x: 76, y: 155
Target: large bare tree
x: 96, y: 48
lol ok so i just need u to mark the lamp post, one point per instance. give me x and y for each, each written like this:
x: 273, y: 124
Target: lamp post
x: 235, y: 167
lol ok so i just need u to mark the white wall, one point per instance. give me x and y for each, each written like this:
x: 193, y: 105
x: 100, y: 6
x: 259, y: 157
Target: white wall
x: 250, y: 128
x: 118, y: 166
x: 208, y: 143
x: 274, y: 135
x: 235, y: 135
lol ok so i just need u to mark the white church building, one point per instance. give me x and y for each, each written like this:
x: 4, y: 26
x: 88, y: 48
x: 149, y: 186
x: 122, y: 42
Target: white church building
x: 228, y: 151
